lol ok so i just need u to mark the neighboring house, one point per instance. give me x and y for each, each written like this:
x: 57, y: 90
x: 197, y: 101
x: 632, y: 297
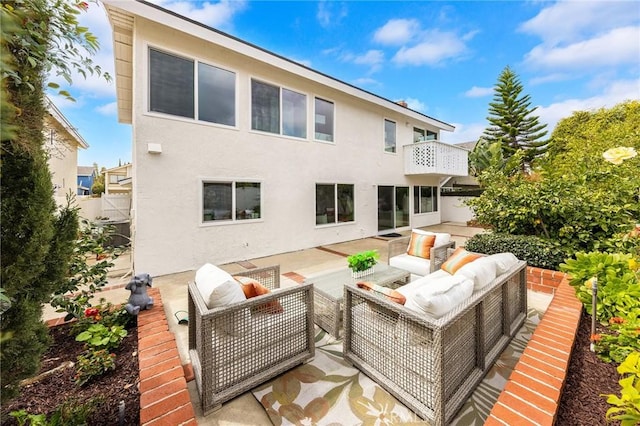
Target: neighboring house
x: 240, y: 153
x: 117, y: 180
x: 62, y: 142
x: 86, y: 175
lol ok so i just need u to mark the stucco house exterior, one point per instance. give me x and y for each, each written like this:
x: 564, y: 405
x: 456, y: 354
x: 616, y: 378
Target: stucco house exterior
x: 240, y: 153
x: 118, y: 180
x: 62, y: 142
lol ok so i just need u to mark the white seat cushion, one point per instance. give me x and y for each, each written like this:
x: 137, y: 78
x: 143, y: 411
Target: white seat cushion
x: 481, y: 271
x: 504, y: 261
x: 409, y: 290
x: 441, y: 296
x: 415, y: 265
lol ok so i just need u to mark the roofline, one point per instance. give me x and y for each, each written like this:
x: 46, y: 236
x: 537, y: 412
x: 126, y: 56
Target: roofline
x: 60, y: 118
x: 132, y: 7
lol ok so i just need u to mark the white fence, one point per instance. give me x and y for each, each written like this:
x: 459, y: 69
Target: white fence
x: 115, y: 207
x: 453, y: 209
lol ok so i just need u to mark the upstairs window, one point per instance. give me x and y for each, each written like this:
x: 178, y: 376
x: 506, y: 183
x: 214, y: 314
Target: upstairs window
x: 324, y: 113
x: 171, y: 84
x: 278, y: 110
x: 174, y: 86
x: 389, y: 136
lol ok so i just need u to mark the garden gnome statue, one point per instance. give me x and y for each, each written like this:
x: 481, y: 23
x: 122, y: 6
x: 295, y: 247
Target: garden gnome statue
x: 139, y: 299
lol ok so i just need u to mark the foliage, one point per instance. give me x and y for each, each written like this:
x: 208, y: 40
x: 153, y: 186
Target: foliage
x: 98, y: 336
x: 41, y: 37
x: 70, y: 412
x: 575, y: 197
x: 626, y: 408
x: 38, y: 38
x: 93, y: 363
x: 511, y: 120
x: 618, y: 290
x: 624, y: 340
x: 85, y: 278
x: 535, y: 251
x: 363, y: 260
x: 104, y: 313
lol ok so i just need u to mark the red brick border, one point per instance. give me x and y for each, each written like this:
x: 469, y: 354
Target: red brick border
x: 532, y: 393
x: 164, y: 397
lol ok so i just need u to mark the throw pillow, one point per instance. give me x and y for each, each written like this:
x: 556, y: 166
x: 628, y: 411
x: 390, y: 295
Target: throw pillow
x: 390, y: 294
x: 217, y: 287
x: 252, y: 288
x: 441, y: 237
x: 420, y: 245
x: 458, y: 259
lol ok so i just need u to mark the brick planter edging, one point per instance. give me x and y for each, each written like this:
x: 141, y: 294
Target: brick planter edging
x: 532, y: 393
x: 164, y: 397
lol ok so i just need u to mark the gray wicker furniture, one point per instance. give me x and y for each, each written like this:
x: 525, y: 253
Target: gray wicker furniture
x: 433, y: 365
x: 328, y: 291
x: 262, y: 344
x: 398, y: 246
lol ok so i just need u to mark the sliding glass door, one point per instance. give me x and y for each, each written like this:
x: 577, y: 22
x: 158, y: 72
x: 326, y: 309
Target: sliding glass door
x: 393, y: 207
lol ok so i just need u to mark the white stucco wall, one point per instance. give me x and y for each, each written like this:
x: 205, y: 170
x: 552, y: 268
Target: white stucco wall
x: 169, y: 233
x: 454, y: 210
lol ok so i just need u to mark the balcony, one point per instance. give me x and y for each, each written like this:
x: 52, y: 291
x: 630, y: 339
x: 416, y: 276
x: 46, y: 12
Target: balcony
x: 435, y: 158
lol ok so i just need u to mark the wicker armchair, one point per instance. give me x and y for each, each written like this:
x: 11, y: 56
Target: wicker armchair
x: 433, y: 365
x: 261, y: 345
x: 398, y: 246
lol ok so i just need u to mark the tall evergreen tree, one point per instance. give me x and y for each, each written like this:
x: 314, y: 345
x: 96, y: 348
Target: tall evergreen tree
x: 511, y: 120
x: 37, y: 240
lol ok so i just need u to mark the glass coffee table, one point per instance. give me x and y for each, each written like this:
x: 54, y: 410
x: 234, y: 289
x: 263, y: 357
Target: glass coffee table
x: 328, y: 292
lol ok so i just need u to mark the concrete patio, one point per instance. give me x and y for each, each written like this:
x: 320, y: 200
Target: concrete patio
x: 294, y: 267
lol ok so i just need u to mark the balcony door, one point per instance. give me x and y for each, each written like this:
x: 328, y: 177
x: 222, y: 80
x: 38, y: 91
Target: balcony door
x: 393, y: 208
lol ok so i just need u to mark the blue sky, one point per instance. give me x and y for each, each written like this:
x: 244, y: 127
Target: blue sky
x: 443, y: 58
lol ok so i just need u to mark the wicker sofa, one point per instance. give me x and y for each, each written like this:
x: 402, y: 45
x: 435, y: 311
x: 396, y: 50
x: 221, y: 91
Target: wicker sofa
x: 237, y: 347
x: 399, y: 258
x: 433, y: 365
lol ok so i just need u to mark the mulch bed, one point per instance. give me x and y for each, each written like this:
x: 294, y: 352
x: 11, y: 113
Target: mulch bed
x: 588, y: 377
x: 114, y: 388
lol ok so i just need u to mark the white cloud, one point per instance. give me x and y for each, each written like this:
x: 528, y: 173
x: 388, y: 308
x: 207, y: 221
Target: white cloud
x: 108, y: 109
x: 397, y: 31
x: 330, y: 12
x: 436, y: 47
x: 550, y: 78
x: 616, y: 92
x: 372, y: 58
x: 618, y: 46
x: 465, y: 132
x: 478, y: 92
x: 216, y: 15
x: 366, y: 81
x: 416, y: 105
x: 570, y: 21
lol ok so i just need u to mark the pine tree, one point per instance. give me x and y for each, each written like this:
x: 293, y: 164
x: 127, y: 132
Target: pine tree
x: 37, y: 240
x: 511, y: 120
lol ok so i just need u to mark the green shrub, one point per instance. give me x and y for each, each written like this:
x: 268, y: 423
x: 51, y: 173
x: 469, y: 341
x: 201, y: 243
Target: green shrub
x: 92, y: 363
x: 536, y: 251
x: 97, y: 336
x: 626, y: 408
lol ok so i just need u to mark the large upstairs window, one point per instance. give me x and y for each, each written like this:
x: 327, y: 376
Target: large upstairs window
x: 174, y: 86
x: 324, y: 117
x: 278, y: 110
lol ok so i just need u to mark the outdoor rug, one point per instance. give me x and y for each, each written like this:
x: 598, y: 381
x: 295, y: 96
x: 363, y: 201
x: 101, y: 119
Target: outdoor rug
x: 329, y: 391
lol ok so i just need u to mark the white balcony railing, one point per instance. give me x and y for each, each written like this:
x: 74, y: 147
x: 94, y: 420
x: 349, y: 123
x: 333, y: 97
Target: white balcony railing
x: 437, y: 158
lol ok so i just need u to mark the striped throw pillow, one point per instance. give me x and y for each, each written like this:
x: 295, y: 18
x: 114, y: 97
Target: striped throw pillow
x: 458, y: 259
x: 420, y: 245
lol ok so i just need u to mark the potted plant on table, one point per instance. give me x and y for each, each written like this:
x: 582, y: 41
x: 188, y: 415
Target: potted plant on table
x: 361, y: 264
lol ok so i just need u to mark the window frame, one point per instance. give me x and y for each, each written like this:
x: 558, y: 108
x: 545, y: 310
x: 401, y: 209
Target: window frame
x: 417, y: 204
x: 395, y: 136
x: 336, y: 221
x: 234, y: 219
x: 315, y: 115
x: 196, y: 61
x: 281, y: 109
